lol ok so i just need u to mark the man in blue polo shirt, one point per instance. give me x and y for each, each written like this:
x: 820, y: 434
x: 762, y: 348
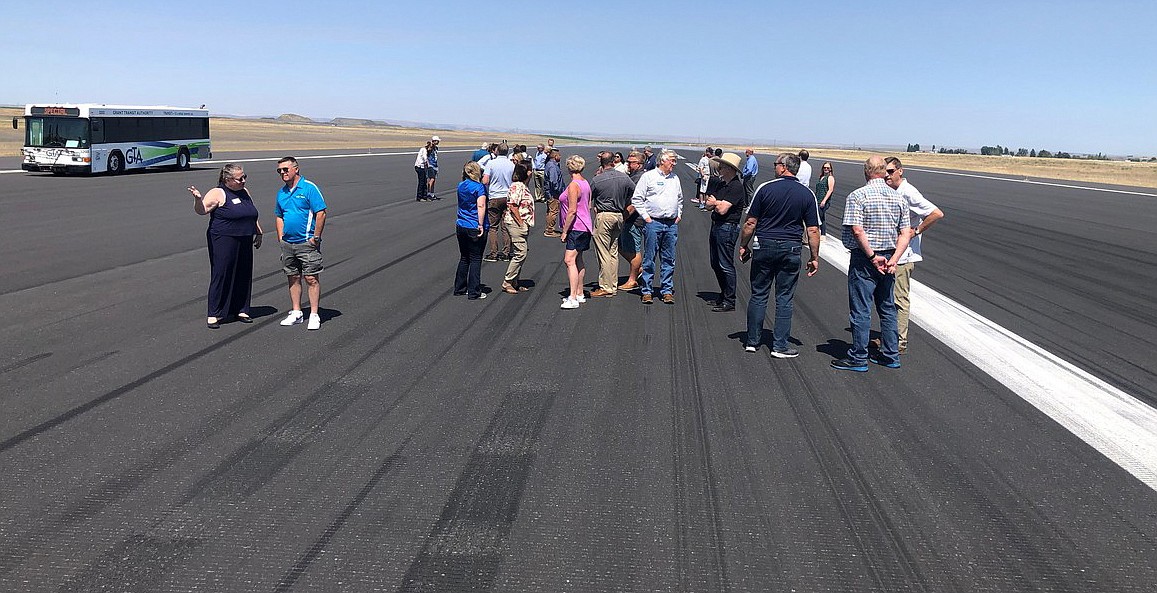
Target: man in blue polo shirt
x: 300, y: 212
x: 780, y: 210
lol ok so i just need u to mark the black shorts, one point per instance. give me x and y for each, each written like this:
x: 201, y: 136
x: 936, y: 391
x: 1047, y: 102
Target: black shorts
x: 578, y: 240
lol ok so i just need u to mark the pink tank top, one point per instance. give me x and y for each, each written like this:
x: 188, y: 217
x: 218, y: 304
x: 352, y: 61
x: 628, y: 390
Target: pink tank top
x: 582, y: 221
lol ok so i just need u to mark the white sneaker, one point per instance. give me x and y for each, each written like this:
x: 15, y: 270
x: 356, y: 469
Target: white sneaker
x: 294, y: 318
x: 749, y: 349
x: 314, y: 321
x: 569, y: 303
x: 582, y: 298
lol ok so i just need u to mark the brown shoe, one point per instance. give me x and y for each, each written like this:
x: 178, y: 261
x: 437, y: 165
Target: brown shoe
x: 598, y: 292
x: 508, y: 289
x: 628, y: 286
x: 669, y: 299
x: 647, y: 300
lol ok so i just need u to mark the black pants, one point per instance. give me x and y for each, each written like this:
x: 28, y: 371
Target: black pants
x: 421, y: 171
x: 468, y: 279
x: 722, y: 242
x: 231, y: 274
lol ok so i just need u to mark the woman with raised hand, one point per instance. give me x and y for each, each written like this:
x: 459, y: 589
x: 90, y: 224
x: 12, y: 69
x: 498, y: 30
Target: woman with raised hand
x: 234, y: 232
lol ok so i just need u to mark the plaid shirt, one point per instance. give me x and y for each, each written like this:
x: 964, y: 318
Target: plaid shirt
x: 880, y: 210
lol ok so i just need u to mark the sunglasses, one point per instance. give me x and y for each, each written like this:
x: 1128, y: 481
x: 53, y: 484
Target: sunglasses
x: 241, y: 179
x: 283, y: 169
x: 890, y: 171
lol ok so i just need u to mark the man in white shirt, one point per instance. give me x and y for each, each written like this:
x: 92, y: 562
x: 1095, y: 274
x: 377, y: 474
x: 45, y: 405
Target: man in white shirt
x: 658, y: 199
x: 924, y: 214
x: 805, y: 170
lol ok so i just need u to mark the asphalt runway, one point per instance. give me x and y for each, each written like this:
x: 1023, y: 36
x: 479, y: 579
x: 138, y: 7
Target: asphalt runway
x: 421, y: 442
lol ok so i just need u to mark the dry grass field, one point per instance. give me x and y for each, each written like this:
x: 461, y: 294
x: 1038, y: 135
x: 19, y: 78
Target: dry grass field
x: 230, y: 135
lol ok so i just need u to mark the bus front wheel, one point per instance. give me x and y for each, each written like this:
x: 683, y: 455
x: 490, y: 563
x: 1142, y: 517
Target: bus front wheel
x: 116, y: 163
x: 183, y: 159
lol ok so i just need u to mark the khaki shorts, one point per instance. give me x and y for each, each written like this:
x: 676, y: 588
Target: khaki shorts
x: 299, y: 259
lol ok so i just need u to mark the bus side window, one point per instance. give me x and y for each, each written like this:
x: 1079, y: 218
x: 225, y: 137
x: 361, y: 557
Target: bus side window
x: 97, y: 131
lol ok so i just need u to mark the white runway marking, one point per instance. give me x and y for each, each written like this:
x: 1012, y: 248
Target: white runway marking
x: 1113, y: 422
x: 1030, y: 182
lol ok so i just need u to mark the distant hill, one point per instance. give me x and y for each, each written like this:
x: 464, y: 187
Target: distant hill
x: 358, y: 122
x: 293, y: 118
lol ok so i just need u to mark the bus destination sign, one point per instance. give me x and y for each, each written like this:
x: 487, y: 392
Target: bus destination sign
x: 65, y: 111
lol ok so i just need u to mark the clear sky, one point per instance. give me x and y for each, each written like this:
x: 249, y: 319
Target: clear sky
x: 1057, y: 75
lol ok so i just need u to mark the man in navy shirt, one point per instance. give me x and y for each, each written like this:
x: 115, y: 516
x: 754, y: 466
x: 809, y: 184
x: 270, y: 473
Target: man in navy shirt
x: 779, y: 211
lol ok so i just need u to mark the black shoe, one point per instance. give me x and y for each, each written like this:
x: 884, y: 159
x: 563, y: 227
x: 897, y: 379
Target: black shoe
x: 245, y: 319
x: 845, y: 364
x: 213, y: 324
x: 723, y: 308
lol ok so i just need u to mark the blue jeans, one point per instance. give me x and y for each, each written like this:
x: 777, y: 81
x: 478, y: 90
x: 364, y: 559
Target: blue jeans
x: 866, y: 286
x: 468, y: 276
x: 776, y: 261
x: 722, y: 241
x: 660, y: 234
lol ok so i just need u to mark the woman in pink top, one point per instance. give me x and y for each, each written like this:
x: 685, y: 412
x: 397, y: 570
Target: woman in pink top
x: 575, y: 211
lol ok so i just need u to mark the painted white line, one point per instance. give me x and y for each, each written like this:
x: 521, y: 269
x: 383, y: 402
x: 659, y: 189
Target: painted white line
x: 1111, y: 421
x: 1030, y: 182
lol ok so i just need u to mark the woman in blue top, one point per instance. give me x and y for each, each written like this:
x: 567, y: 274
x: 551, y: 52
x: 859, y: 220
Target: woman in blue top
x: 233, y: 233
x: 472, y: 228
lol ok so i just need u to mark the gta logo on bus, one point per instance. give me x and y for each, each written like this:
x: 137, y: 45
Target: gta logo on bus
x: 133, y: 155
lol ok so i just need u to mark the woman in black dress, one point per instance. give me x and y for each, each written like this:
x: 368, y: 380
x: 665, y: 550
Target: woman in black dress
x: 233, y: 233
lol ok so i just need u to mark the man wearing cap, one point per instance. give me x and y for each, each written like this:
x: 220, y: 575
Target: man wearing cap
x: 877, y: 229
x: 780, y: 211
x: 750, y: 170
x: 725, y: 199
x: 703, y: 177
x: 497, y: 176
x: 923, y: 214
x: 539, y: 172
x: 658, y: 198
x: 481, y: 153
x: 611, y: 192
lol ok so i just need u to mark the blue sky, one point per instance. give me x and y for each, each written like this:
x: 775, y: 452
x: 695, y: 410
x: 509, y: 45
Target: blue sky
x: 1073, y: 76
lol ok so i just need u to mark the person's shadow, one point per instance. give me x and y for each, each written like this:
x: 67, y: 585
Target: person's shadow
x: 765, y: 339
x: 709, y: 297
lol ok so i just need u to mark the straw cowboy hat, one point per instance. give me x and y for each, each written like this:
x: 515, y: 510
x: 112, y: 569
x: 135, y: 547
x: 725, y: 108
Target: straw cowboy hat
x: 730, y: 159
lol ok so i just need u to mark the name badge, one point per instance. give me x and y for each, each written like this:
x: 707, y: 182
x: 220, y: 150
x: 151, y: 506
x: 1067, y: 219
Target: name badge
x: 236, y: 200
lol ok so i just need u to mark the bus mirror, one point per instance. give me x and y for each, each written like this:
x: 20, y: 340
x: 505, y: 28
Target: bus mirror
x: 15, y: 123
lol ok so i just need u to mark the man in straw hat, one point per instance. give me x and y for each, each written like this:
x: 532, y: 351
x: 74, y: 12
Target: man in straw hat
x: 725, y: 199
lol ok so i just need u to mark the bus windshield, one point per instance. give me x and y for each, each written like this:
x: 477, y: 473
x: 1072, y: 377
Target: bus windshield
x: 57, y: 132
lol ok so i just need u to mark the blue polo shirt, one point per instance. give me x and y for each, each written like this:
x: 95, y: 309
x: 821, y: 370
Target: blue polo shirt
x: 298, y: 208
x: 468, y: 193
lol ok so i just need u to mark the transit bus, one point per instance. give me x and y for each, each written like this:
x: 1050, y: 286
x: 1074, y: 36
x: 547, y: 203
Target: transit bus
x: 90, y: 138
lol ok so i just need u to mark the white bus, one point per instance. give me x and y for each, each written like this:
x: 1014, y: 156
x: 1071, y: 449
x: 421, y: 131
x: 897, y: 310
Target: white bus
x: 89, y: 138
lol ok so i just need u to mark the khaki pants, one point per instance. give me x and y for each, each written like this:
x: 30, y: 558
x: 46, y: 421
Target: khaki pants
x: 518, y: 250
x: 608, y: 227
x: 539, y: 185
x: 499, y: 241
x: 551, y: 215
x: 903, y: 302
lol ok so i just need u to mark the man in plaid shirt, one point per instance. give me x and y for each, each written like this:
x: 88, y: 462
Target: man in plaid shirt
x: 877, y: 228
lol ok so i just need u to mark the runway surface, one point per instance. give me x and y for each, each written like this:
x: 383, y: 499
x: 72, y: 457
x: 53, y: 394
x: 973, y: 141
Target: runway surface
x: 421, y: 442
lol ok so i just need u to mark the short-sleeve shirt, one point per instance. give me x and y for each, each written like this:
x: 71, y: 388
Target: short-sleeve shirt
x: 501, y: 172
x: 880, y: 210
x: 468, y: 193
x: 522, y: 199
x: 919, y: 208
x: 728, y: 191
x: 297, y: 207
x: 783, y: 207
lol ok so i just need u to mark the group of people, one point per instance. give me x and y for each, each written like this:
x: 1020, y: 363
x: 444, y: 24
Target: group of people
x: 234, y: 231
x: 635, y: 214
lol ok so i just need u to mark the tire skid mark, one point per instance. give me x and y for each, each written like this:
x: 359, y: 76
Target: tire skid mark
x: 76, y: 411
x: 695, y: 489
x: 465, y: 547
x: 844, y: 477
x: 25, y: 362
x: 217, y: 488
